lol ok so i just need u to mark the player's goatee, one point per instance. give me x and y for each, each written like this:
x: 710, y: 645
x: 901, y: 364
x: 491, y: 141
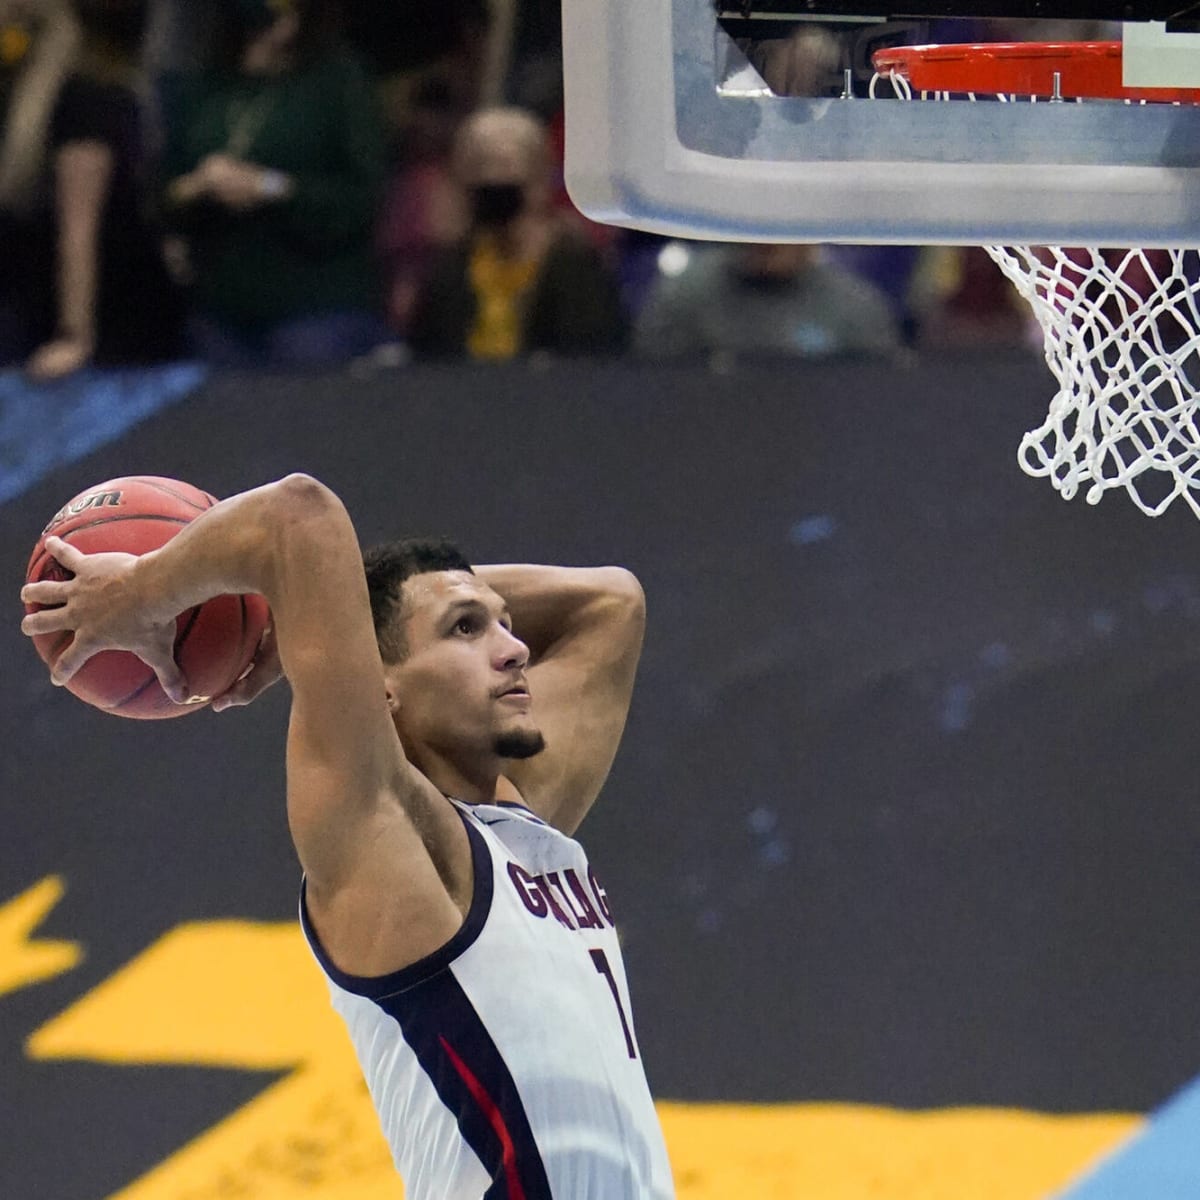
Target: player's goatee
x: 523, y: 744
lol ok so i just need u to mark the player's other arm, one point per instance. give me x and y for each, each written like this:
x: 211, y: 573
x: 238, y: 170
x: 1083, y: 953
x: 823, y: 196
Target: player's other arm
x: 584, y: 630
x: 355, y: 804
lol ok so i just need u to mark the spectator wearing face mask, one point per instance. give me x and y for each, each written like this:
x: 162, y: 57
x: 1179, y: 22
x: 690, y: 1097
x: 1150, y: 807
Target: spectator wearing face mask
x: 524, y: 279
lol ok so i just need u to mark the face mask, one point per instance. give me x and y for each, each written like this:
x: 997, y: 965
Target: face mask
x: 496, y: 203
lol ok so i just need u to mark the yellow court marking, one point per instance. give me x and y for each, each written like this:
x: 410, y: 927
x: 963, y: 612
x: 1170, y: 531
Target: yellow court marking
x: 859, y: 1152
x: 25, y: 960
x: 247, y: 995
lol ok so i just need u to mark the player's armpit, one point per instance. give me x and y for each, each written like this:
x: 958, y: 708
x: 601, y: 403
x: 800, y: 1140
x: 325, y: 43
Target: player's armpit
x: 584, y: 628
x: 382, y: 902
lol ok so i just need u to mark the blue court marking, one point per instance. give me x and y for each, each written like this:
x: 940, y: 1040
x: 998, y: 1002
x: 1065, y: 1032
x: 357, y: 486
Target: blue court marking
x: 1162, y: 1162
x: 47, y: 426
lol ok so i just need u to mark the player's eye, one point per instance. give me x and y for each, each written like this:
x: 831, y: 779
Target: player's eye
x: 466, y: 625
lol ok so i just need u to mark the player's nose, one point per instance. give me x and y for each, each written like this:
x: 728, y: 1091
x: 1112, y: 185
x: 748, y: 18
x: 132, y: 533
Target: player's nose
x: 511, y: 653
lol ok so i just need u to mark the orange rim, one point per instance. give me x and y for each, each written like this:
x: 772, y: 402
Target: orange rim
x: 1086, y: 71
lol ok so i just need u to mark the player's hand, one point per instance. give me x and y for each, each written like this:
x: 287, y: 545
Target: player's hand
x: 105, y: 610
x: 264, y: 672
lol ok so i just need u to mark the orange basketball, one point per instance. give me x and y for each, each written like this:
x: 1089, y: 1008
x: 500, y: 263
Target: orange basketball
x: 214, y: 642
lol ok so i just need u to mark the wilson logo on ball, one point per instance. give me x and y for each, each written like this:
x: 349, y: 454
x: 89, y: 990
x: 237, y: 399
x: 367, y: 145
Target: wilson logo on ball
x: 82, y: 504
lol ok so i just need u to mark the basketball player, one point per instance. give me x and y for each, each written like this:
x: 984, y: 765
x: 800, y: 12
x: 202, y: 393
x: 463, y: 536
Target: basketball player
x: 449, y: 730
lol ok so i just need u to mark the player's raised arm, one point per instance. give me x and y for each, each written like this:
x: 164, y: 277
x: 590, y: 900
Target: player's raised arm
x: 584, y: 630
x: 354, y: 802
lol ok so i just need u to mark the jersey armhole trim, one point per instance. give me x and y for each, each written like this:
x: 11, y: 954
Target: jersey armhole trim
x: 468, y: 806
x: 377, y: 987
x: 521, y: 808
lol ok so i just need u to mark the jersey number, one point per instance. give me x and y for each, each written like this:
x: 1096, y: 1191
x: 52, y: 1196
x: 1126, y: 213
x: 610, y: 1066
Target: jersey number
x: 600, y: 959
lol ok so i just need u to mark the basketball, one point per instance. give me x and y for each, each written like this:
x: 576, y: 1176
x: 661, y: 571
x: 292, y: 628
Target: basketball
x: 214, y: 642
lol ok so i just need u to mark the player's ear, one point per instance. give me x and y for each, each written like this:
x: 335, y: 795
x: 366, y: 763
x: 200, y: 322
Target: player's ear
x: 391, y: 691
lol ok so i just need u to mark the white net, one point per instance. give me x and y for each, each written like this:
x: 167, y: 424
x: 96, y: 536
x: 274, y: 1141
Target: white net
x: 1122, y: 337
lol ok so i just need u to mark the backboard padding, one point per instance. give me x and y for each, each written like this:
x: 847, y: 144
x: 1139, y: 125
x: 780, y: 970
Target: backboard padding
x: 670, y: 129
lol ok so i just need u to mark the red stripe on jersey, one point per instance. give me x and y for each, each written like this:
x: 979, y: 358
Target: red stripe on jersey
x: 495, y: 1119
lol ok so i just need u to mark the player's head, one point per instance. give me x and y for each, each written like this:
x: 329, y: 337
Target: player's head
x: 454, y: 670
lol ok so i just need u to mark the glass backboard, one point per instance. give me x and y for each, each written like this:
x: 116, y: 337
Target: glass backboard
x: 749, y: 119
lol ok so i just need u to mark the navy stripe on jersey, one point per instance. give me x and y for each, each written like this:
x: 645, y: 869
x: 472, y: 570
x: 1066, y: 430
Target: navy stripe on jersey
x: 520, y: 808
x: 473, y: 1081
x: 375, y: 987
x: 523, y: 809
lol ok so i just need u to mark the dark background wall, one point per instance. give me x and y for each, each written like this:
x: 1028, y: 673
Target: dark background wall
x: 906, y: 810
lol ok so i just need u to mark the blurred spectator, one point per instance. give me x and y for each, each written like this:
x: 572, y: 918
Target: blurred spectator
x: 761, y: 300
x: 179, y: 35
x: 39, y: 44
x: 430, y: 63
x: 442, y: 65
x: 83, y: 274
x: 425, y: 210
x: 276, y: 161
x: 808, y: 62
x: 535, y: 79
x: 524, y: 279
x: 1009, y: 29
x: 892, y: 270
x: 402, y: 36
x: 966, y: 301
x: 638, y: 255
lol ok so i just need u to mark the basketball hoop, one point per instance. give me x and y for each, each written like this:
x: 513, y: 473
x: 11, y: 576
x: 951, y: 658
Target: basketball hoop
x: 1121, y: 329
x: 1011, y: 70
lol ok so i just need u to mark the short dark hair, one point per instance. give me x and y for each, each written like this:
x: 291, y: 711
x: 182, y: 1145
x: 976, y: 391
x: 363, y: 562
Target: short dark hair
x: 387, y: 567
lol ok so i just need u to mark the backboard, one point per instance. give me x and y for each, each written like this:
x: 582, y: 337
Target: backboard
x: 749, y: 120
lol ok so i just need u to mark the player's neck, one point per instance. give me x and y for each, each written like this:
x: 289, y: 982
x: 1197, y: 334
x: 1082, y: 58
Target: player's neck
x: 473, y: 781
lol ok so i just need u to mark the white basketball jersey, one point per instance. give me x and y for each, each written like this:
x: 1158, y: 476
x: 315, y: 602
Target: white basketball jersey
x: 504, y: 1066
